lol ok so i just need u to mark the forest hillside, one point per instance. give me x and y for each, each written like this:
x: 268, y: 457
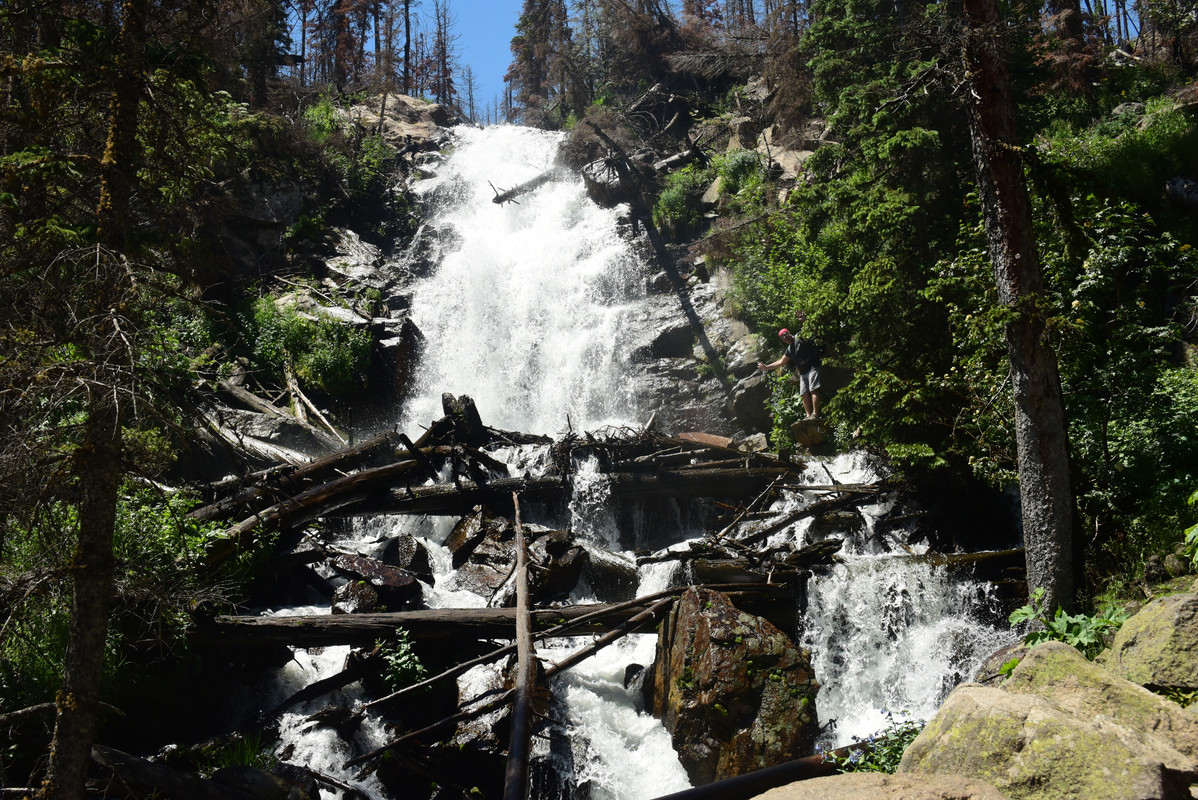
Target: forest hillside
x: 169, y: 170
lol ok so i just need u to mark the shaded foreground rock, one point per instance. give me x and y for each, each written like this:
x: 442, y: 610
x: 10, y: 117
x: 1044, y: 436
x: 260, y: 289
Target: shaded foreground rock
x: 1062, y: 727
x: 734, y: 691
x: 877, y: 786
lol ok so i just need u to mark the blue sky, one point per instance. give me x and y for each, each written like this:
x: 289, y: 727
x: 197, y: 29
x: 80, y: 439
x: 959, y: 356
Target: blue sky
x: 486, y: 28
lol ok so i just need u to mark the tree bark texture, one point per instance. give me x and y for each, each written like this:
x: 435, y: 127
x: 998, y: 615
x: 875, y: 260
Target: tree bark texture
x: 1040, y: 428
x: 98, y: 460
x: 515, y: 786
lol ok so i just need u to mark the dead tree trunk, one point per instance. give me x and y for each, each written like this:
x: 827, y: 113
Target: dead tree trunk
x: 511, y: 194
x: 515, y: 785
x: 279, y: 482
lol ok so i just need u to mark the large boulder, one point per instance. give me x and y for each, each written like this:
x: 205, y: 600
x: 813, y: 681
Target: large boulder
x: 878, y: 786
x: 734, y: 691
x: 1158, y: 647
x: 1062, y: 727
x: 484, y: 556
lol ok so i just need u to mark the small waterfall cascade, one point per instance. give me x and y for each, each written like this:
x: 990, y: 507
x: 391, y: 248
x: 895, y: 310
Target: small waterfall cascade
x: 890, y: 633
x: 526, y: 313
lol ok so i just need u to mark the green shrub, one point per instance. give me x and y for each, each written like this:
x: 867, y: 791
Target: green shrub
x: 1085, y: 632
x: 403, y: 667
x: 159, y: 577
x: 322, y: 120
x: 882, y: 751
x: 677, y: 210
x: 323, y: 353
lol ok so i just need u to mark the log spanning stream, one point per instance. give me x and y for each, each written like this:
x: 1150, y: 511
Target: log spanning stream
x: 529, y: 315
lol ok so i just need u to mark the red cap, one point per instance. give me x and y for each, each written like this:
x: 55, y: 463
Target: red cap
x: 783, y: 332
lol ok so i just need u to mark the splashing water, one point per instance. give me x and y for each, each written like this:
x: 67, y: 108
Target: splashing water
x: 527, y: 315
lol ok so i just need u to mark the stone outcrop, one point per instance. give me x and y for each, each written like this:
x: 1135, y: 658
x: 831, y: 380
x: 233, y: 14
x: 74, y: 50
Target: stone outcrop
x: 876, y: 786
x: 1158, y: 647
x: 484, y: 557
x: 732, y: 689
x: 1062, y: 727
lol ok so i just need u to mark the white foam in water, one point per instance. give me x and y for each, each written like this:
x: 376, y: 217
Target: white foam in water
x: 892, y: 635
x: 620, y: 753
x: 527, y: 315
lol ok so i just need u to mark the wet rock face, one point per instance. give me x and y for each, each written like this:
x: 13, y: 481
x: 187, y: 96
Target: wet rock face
x: 734, y: 691
x: 484, y: 557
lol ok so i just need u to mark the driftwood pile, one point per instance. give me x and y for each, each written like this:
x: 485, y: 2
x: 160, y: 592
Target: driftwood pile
x: 450, y: 470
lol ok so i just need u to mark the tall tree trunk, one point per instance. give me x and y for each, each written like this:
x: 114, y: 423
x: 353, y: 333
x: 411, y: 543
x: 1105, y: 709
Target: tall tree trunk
x: 98, y: 460
x: 1040, y: 429
x: 407, y: 47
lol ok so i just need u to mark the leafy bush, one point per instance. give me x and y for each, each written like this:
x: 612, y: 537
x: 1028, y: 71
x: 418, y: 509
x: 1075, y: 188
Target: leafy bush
x: 322, y: 120
x: 158, y: 551
x: 1191, y: 535
x: 677, y: 209
x: 324, y: 354
x: 1086, y: 633
x: 403, y: 667
x: 882, y: 751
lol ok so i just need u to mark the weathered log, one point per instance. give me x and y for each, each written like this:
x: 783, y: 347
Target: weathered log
x: 510, y: 195
x: 306, y: 506
x: 569, y: 628
x: 503, y: 699
x: 515, y: 784
x: 256, y: 403
x: 142, y: 778
x: 356, y: 670
x: 278, y: 482
x: 818, y: 507
x: 320, y: 630
x: 448, y: 624
x: 252, y: 445
x: 751, y: 784
x: 459, y: 498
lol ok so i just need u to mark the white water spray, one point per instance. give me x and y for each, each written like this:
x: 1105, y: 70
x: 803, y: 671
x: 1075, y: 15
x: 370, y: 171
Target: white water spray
x: 527, y: 314
x: 528, y: 317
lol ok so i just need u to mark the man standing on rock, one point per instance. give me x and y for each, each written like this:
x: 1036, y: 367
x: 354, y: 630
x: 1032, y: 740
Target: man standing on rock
x: 802, y: 356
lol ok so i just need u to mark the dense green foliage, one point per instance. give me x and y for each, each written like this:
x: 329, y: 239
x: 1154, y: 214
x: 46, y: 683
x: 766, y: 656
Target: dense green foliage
x: 1087, y: 632
x: 882, y: 244
x: 322, y: 353
x: 159, y: 554
x: 404, y: 667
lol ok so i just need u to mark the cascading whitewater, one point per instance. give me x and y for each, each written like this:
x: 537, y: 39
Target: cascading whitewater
x: 525, y: 315
x: 528, y: 316
x: 890, y: 634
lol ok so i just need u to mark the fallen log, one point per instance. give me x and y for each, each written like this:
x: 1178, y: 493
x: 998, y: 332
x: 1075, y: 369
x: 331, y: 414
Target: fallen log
x: 511, y: 194
x: 569, y: 628
x: 434, y: 624
x: 515, y: 784
x: 752, y: 784
x: 460, y: 498
x: 362, y: 630
x: 503, y: 699
x: 278, y: 482
x: 256, y: 403
x: 306, y: 506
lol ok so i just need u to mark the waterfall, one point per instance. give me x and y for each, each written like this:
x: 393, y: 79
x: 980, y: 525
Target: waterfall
x: 527, y: 312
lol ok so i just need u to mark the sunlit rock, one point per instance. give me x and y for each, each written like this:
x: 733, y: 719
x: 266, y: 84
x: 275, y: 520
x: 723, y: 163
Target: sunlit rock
x: 1062, y: 726
x: 734, y: 691
x: 1158, y: 647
